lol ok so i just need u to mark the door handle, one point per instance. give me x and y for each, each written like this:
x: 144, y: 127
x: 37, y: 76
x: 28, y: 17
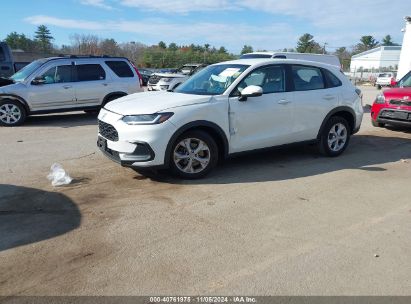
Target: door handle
x: 328, y: 97
x: 105, y: 84
x: 283, y: 102
x: 67, y: 87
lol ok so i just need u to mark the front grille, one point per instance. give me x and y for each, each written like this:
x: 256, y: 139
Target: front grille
x: 154, y: 79
x: 395, y: 115
x: 107, y: 131
x: 399, y: 102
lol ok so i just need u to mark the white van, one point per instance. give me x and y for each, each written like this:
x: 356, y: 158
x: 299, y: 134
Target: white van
x: 327, y: 59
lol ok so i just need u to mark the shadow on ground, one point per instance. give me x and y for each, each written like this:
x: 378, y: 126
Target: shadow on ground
x: 30, y: 215
x: 64, y: 120
x: 365, y: 152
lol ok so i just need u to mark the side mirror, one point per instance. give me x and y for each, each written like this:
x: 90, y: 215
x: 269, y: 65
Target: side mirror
x: 394, y: 83
x: 250, y: 91
x: 38, y: 81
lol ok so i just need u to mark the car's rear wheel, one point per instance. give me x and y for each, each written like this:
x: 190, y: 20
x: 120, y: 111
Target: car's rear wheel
x: 193, y: 155
x: 12, y: 113
x: 335, y: 137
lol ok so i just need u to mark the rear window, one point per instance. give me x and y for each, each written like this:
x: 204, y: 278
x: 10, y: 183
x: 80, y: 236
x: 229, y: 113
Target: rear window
x: 332, y: 80
x: 120, y: 68
x: 90, y: 72
x: 2, y: 56
x: 307, y: 78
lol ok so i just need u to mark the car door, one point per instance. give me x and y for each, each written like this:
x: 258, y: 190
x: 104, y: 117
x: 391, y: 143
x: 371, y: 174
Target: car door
x: 54, y: 90
x: 313, y: 100
x: 262, y: 121
x: 91, y: 84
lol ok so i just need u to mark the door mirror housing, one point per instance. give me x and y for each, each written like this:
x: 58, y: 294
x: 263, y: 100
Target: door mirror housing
x: 38, y: 81
x: 394, y: 82
x: 250, y: 91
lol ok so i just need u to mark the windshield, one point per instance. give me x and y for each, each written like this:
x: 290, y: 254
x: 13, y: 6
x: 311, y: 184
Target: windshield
x: 212, y: 80
x: 27, y: 70
x: 405, y: 81
x: 252, y: 56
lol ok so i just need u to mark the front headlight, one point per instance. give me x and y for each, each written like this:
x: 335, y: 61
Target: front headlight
x: 380, y: 98
x: 147, y: 119
x: 166, y: 79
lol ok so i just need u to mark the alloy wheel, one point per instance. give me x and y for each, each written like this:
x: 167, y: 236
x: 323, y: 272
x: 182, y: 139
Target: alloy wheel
x: 191, y: 155
x: 337, y: 137
x: 10, y: 113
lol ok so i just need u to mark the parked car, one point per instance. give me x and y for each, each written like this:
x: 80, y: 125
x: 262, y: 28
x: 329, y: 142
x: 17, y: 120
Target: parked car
x: 385, y: 79
x: 11, y: 62
x: 328, y: 59
x: 66, y: 84
x: 228, y: 108
x: 171, y: 80
x: 393, y: 106
x: 145, y: 75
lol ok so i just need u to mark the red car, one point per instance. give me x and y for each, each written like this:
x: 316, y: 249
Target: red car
x: 393, y: 106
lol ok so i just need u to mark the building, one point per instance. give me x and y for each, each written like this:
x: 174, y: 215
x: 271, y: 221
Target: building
x: 380, y: 59
x: 405, y: 59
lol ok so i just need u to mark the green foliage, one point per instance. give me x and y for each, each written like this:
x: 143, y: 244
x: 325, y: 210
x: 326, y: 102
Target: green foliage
x: 387, y: 41
x: 162, y: 45
x: 366, y: 43
x: 44, y: 39
x: 20, y: 42
x: 247, y: 49
x: 307, y: 44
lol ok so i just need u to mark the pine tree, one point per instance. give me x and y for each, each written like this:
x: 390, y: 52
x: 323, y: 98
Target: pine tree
x: 44, y: 39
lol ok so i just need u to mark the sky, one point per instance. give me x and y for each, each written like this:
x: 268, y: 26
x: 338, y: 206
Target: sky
x: 263, y: 24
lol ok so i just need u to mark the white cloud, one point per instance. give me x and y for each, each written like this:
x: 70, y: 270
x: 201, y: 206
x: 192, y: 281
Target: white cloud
x: 97, y: 3
x: 65, y: 23
x: 217, y: 34
x: 179, y: 6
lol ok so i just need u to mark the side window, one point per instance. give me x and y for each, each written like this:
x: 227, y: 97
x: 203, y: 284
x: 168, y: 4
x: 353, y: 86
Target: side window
x: 307, y: 78
x: 58, y: 74
x: 332, y: 80
x: 2, y: 55
x: 271, y: 79
x: 120, y: 68
x: 90, y: 72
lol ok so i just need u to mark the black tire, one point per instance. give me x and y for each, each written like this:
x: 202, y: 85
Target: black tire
x: 209, y: 155
x: 5, y: 116
x: 379, y: 87
x: 326, y: 135
x: 377, y: 124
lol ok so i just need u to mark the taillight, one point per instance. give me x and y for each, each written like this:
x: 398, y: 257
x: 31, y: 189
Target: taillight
x: 138, y: 73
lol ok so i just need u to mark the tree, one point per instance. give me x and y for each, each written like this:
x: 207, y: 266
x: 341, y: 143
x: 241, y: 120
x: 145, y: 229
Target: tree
x: 307, y: 44
x: 162, y: 45
x: 387, y: 41
x: 222, y: 50
x: 109, y: 47
x: 20, y: 42
x: 246, y: 49
x: 344, y: 55
x: 44, y: 39
x: 173, y: 47
x: 366, y: 43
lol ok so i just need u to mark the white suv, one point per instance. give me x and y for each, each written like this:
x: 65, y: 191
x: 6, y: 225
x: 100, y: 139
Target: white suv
x: 232, y: 107
x: 170, y: 81
x: 66, y: 84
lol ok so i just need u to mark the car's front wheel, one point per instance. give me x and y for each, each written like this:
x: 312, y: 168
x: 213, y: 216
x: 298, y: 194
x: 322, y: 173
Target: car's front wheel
x: 193, y: 155
x: 334, y: 137
x: 12, y: 113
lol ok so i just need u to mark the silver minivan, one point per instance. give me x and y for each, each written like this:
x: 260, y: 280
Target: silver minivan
x: 61, y: 84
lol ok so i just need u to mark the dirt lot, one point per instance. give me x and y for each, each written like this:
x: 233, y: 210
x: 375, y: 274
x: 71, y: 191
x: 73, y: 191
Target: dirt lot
x: 287, y: 222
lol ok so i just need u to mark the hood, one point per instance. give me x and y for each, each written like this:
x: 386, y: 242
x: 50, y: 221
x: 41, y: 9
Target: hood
x: 153, y: 102
x: 398, y: 93
x: 170, y: 75
x: 11, y: 88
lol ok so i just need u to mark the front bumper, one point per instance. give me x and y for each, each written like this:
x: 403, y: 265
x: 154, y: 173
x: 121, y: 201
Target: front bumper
x: 394, y: 117
x: 135, y: 145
